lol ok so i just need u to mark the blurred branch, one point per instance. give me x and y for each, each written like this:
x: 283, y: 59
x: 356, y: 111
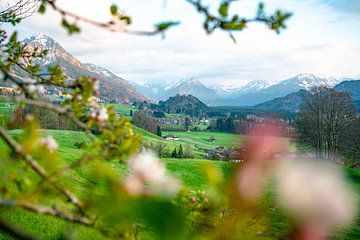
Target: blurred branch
x: 48, y: 106
x: 17, y: 148
x: 118, y: 24
x: 47, y: 211
x: 229, y: 23
x: 13, y: 231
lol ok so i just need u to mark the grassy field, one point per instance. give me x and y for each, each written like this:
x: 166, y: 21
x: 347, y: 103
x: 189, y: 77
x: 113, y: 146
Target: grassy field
x: 202, y: 139
x: 188, y: 170
x: 199, y: 139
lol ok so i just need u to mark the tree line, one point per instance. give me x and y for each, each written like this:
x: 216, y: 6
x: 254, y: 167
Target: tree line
x: 163, y: 150
x: 146, y: 122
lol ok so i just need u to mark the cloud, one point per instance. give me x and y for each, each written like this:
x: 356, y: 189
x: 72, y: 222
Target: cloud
x: 314, y: 42
x: 348, y: 6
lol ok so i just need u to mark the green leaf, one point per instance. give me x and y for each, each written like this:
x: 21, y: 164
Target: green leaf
x: 224, y: 8
x: 42, y: 9
x: 161, y: 27
x: 113, y: 9
x: 71, y: 27
x: 126, y: 19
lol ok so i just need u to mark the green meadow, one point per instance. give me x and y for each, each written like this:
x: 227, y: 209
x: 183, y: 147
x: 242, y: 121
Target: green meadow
x: 191, y: 173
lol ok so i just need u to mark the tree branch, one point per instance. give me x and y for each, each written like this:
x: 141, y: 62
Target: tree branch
x: 46, y: 211
x: 17, y: 148
x: 48, y: 106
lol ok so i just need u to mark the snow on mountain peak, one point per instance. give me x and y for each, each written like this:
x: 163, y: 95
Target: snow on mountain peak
x: 186, y: 82
x: 309, y: 80
x: 43, y: 40
x: 98, y: 70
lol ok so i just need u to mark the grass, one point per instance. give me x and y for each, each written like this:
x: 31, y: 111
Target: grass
x: 202, y: 139
x: 190, y: 171
x: 46, y: 227
x: 7, y: 109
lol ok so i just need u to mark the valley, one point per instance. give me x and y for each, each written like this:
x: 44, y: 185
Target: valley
x: 87, y: 152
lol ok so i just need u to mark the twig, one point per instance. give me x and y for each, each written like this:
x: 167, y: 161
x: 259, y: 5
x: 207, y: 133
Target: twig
x: 17, y: 148
x: 47, y: 211
x: 48, y: 106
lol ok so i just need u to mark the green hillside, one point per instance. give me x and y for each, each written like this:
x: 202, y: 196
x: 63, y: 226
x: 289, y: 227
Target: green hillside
x: 190, y: 171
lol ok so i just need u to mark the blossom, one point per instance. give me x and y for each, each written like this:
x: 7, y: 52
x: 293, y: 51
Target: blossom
x: 103, y: 115
x: 100, y: 114
x: 316, y: 193
x: 96, y: 85
x: 50, y: 143
x: 149, y: 176
x: 35, y: 88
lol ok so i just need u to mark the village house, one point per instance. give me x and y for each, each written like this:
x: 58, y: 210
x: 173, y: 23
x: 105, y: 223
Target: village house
x: 171, y: 137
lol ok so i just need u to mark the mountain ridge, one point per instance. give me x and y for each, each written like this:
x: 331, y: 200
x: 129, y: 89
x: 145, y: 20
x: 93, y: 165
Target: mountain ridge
x: 112, y: 88
x: 251, y: 94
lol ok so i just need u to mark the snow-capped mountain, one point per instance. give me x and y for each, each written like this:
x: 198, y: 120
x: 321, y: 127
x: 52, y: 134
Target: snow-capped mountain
x: 112, y: 87
x: 303, y: 81
x: 184, y: 87
x: 189, y: 87
x: 151, y: 90
x: 223, y: 90
x: 251, y: 87
x: 250, y: 94
x: 309, y: 80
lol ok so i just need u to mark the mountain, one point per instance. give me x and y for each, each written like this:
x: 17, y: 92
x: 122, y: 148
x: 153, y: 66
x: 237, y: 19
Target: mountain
x: 112, y: 88
x: 252, y: 87
x: 291, y: 102
x: 151, y: 90
x: 184, y: 87
x: 353, y: 87
x: 223, y: 90
x: 190, y: 87
x: 183, y: 104
x: 302, y: 81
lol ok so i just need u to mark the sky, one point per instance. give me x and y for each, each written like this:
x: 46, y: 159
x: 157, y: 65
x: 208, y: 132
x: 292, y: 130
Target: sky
x: 322, y: 38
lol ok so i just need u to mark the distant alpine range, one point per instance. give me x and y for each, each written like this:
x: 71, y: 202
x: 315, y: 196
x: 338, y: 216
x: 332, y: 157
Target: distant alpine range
x: 284, y: 95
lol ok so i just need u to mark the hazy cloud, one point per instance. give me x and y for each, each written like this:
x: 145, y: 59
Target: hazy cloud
x: 314, y: 42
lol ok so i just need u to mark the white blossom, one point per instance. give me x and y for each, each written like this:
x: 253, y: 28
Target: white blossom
x: 149, y: 175
x: 315, y: 193
x: 96, y: 85
x: 100, y: 114
x: 31, y: 88
x: 35, y: 88
x: 103, y: 115
x: 50, y: 143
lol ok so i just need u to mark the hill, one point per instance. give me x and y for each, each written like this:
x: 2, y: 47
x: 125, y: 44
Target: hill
x: 183, y: 104
x: 291, y: 102
x: 112, y: 88
x: 351, y: 86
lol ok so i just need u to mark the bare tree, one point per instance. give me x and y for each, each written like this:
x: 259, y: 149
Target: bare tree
x: 159, y: 147
x: 322, y: 119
